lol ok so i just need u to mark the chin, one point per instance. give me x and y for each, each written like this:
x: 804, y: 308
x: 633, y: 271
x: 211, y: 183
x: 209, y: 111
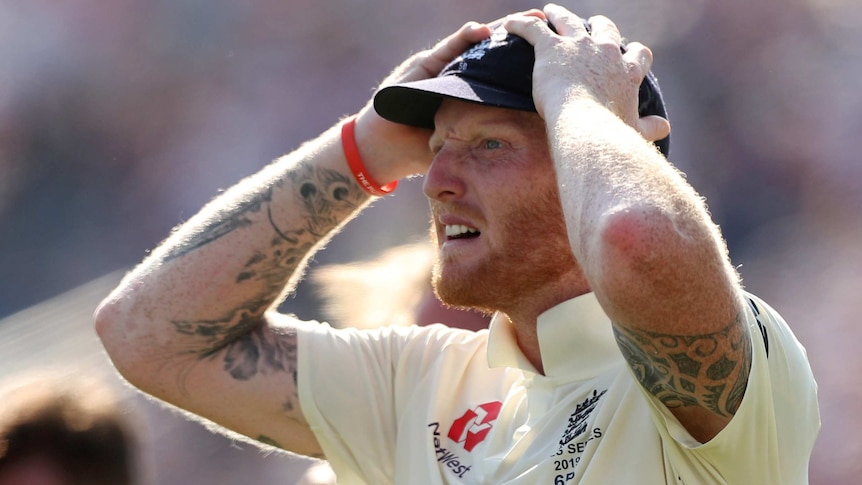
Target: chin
x: 463, y: 291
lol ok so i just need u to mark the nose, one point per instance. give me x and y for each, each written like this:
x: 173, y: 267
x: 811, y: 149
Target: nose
x: 444, y: 180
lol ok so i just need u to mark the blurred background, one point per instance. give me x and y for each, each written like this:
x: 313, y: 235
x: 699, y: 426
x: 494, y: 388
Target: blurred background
x: 119, y: 120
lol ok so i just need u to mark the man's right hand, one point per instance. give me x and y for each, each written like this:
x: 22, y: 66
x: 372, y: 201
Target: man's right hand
x: 392, y: 151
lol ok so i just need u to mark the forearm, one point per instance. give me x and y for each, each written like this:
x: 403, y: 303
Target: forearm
x: 635, y: 225
x: 657, y: 264
x: 604, y: 166
x: 212, y: 280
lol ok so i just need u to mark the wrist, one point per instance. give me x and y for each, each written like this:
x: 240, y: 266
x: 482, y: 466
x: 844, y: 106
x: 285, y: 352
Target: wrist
x: 364, y: 177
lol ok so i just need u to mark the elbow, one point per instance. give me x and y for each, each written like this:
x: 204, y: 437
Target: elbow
x: 103, y: 319
x: 106, y: 319
x: 650, y: 244
x: 635, y: 236
x: 647, y: 242
x: 115, y: 326
x: 631, y: 258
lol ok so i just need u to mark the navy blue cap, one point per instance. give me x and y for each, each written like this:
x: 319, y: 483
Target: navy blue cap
x: 497, y: 71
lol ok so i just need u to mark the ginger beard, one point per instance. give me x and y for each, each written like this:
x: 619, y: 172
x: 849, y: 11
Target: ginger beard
x: 530, y: 251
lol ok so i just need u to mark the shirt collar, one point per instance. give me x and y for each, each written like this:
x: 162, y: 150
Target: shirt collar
x: 575, y: 338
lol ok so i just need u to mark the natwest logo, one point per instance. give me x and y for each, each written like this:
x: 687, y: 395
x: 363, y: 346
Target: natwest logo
x: 472, y: 428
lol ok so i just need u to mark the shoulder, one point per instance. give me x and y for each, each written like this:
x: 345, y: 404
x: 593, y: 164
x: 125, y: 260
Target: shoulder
x: 781, y: 372
x: 772, y: 434
x: 433, y: 338
x: 773, y: 335
x: 781, y: 396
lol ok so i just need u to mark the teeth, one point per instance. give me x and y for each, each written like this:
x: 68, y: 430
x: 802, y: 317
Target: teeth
x: 459, y: 229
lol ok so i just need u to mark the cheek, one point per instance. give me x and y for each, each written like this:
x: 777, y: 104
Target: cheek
x: 534, y: 185
x: 534, y: 214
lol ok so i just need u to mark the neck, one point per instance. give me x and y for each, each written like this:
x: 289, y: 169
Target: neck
x: 527, y: 336
x: 524, y: 320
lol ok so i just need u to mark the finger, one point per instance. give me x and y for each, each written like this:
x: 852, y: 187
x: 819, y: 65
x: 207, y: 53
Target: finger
x: 639, y: 54
x: 452, y: 46
x: 533, y: 12
x: 471, y: 32
x: 565, y: 22
x: 532, y: 29
x: 604, y: 30
x: 653, y: 128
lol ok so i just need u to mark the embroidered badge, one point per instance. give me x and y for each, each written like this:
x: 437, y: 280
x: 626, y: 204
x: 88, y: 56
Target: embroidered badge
x: 577, y: 424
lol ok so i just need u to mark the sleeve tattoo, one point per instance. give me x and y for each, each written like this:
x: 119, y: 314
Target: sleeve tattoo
x: 710, y: 370
x: 238, y: 338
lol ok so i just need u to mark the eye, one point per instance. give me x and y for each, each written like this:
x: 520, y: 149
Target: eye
x: 492, y: 144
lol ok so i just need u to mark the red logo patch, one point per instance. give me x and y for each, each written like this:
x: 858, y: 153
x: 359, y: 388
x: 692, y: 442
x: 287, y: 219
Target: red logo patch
x: 472, y: 428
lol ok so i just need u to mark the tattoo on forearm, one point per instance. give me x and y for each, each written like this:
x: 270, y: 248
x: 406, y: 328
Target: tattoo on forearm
x: 231, y: 220
x: 325, y: 198
x: 710, y: 370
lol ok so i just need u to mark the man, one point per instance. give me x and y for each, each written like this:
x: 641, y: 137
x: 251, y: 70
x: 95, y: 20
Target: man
x: 622, y: 350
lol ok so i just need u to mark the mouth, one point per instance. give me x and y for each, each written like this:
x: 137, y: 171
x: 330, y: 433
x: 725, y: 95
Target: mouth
x: 460, y: 231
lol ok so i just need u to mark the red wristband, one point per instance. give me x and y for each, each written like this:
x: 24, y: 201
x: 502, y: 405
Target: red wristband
x: 354, y: 161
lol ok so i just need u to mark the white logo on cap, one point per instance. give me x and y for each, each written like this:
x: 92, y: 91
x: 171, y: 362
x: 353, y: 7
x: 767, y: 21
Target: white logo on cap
x: 478, y: 51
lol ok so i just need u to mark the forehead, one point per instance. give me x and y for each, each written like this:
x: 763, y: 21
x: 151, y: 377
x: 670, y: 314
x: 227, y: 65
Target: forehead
x: 458, y: 115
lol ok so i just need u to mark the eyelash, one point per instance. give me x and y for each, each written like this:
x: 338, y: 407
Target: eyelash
x: 485, y: 145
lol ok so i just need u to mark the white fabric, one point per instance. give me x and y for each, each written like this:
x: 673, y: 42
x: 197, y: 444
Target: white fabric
x: 417, y: 406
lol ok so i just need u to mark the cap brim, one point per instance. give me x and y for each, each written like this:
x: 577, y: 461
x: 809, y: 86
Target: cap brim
x: 415, y: 103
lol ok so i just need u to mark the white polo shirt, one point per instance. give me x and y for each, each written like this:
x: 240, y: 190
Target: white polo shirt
x: 435, y: 405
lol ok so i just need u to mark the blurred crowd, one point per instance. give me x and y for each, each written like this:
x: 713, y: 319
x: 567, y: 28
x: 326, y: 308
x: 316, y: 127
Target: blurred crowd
x: 118, y: 120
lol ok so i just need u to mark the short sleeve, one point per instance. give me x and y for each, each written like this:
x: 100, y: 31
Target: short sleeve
x: 769, y: 440
x: 348, y: 391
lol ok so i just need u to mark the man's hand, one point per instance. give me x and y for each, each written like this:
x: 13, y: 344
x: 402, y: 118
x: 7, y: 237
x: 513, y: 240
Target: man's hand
x: 393, y: 151
x: 575, y: 63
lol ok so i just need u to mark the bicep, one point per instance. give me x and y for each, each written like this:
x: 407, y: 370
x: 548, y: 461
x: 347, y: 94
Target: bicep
x: 245, y: 382
x: 258, y: 377
x: 700, y: 378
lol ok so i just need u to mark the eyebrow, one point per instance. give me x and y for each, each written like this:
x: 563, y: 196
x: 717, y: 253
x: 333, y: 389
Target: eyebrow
x: 485, y: 120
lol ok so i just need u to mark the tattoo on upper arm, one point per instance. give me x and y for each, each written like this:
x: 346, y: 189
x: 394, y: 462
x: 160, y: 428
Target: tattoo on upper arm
x: 325, y: 198
x: 269, y: 441
x: 709, y: 370
x: 247, y: 348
